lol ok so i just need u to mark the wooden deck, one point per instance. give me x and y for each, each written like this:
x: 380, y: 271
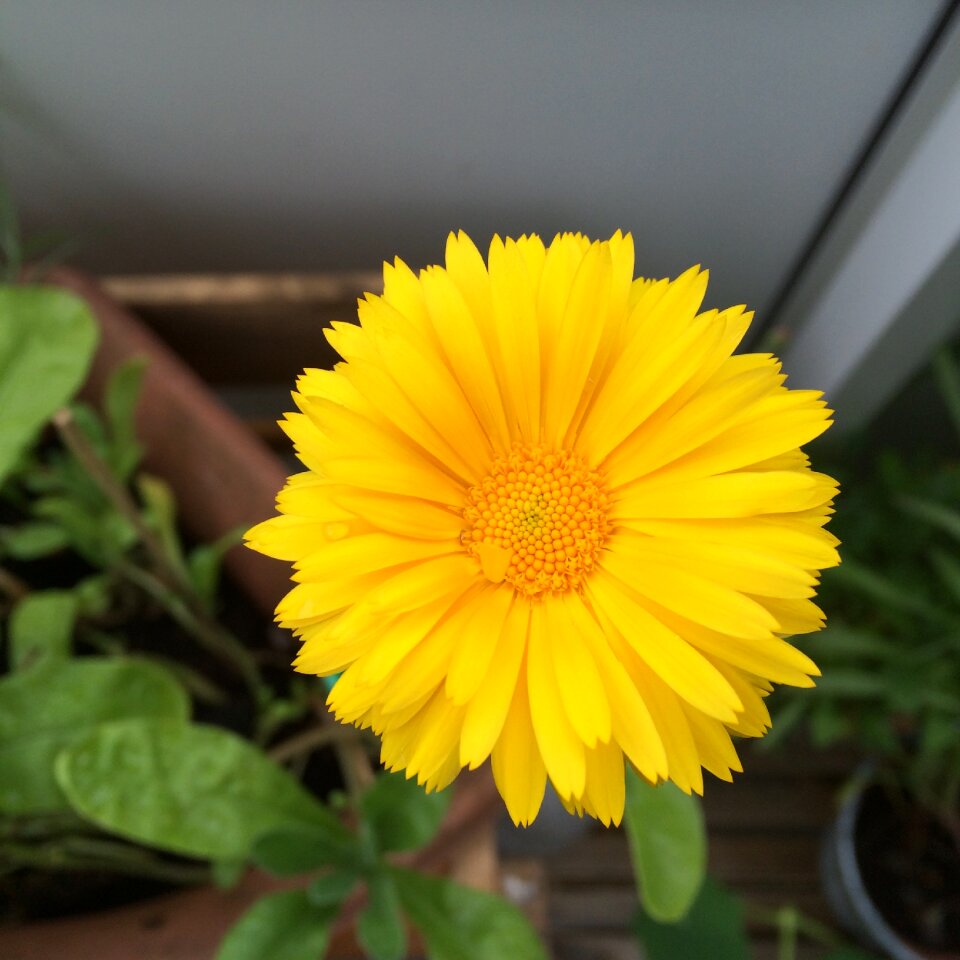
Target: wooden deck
x: 764, y: 837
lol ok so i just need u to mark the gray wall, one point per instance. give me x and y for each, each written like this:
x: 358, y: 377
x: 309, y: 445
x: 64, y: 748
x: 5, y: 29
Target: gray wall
x: 193, y: 135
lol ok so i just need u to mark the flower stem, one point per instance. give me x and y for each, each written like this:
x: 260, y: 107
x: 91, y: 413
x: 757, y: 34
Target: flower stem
x: 309, y: 740
x: 167, y: 586
x: 12, y: 585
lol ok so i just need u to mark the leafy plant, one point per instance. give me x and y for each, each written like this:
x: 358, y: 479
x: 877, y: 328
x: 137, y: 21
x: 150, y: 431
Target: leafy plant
x: 716, y: 927
x: 102, y: 767
x: 891, y: 670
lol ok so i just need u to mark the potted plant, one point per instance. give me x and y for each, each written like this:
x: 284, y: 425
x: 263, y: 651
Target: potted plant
x: 102, y: 771
x: 891, y: 683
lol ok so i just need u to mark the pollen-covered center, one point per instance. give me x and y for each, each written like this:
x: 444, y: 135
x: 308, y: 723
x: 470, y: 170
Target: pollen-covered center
x: 537, y: 520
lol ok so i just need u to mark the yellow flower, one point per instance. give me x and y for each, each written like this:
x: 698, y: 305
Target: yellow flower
x: 550, y: 519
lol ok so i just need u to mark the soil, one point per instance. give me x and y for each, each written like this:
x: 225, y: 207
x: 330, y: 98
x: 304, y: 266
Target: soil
x: 911, y: 869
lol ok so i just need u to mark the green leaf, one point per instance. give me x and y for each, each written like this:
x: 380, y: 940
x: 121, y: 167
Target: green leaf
x: 332, y: 888
x: 839, y: 640
x: 120, y: 398
x: 195, y: 790
x: 380, y: 927
x: 936, y: 514
x: 296, y: 849
x: 827, y: 724
x: 30, y: 541
x: 204, y: 563
x: 283, y: 926
x: 668, y: 846
x: 853, y: 683
x: 947, y: 375
x: 714, y: 927
x: 54, y: 705
x: 47, y: 337
x: 786, y: 719
x: 41, y: 628
x: 227, y: 873
x: 160, y: 508
x: 458, y: 923
x: 885, y: 592
x: 401, y: 814
x: 947, y: 568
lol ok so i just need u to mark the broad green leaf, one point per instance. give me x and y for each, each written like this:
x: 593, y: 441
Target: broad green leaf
x: 283, y: 926
x: 402, y: 815
x: 714, y: 928
x: 47, y: 337
x: 195, y: 790
x: 380, y: 927
x: 458, y: 923
x: 120, y: 398
x: 296, y: 849
x: 332, y: 888
x: 41, y: 628
x: 668, y: 846
x: 51, y: 707
x: 30, y: 541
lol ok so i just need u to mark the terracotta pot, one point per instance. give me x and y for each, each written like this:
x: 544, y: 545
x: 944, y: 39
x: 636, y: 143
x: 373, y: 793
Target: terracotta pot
x: 223, y: 477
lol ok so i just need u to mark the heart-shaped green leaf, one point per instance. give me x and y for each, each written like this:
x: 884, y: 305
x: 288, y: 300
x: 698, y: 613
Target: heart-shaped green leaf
x: 195, y: 790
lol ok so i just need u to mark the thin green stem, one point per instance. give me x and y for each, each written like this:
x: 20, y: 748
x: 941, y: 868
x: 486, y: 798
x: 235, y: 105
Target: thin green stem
x: 90, y: 853
x: 220, y: 642
x: 311, y: 739
x: 787, y: 928
x: 168, y: 585
x: 358, y: 772
x: 12, y: 585
x: 118, y: 495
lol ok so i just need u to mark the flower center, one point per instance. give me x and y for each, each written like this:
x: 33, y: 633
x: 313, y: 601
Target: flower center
x: 537, y: 520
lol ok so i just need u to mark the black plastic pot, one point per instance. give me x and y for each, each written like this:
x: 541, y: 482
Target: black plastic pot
x: 844, y: 884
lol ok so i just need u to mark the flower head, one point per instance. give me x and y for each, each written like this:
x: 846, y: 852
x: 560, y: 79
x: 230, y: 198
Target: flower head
x: 549, y: 517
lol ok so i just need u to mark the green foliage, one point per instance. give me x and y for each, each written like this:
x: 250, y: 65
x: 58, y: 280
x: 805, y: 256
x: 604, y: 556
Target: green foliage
x: 668, y: 846
x: 458, y: 923
x: 713, y: 927
x: 195, y: 790
x: 47, y: 338
x: 380, y: 927
x: 890, y: 654
x: 56, y: 705
x: 283, y: 926
x: 41, y: 628
x: 401, y: 815
x: 296, y: 849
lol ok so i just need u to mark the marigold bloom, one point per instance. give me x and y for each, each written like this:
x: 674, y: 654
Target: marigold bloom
x: 550, y: 519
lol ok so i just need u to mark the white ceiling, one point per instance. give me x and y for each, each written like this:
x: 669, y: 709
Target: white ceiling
x: 195, y: 135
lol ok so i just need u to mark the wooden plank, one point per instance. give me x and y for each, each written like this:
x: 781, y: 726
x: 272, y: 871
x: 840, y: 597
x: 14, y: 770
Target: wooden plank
x: 247, y: 328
